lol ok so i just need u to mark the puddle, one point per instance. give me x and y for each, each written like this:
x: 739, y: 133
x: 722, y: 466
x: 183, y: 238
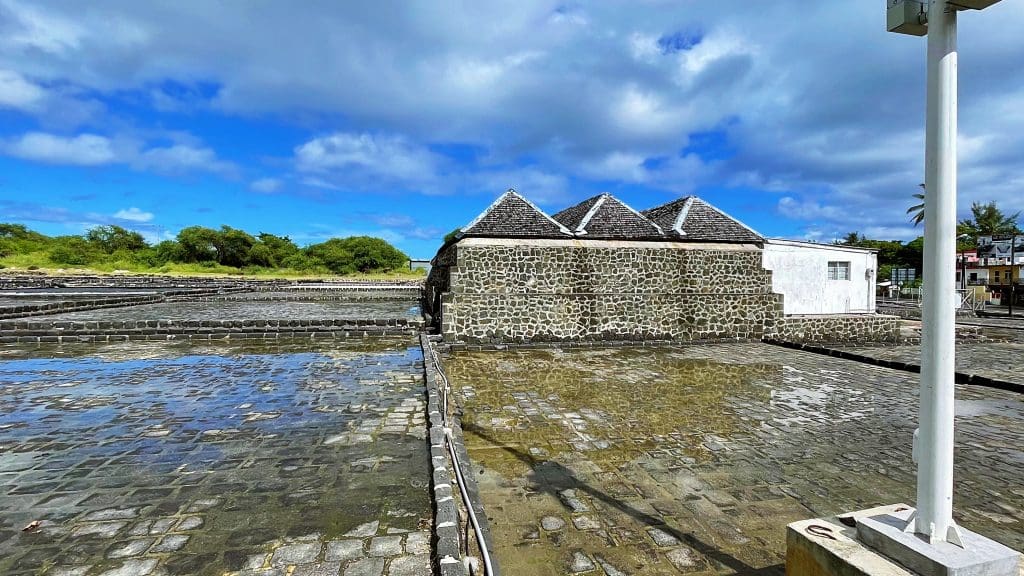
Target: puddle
x: 693, y: 459
x: 166, y: 452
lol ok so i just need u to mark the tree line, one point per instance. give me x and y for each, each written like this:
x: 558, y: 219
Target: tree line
x: 987, y: 219
x: 202, y: 247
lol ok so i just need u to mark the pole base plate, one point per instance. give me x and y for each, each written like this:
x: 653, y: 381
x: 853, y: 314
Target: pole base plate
x: 979, y: 556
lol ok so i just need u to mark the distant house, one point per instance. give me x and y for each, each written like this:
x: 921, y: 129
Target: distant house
x: 685, y: 270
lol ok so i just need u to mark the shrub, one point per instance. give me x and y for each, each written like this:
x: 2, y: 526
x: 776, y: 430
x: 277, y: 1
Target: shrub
x: 72, y: 251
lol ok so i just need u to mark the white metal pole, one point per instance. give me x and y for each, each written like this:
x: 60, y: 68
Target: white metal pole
x: 934, y: 517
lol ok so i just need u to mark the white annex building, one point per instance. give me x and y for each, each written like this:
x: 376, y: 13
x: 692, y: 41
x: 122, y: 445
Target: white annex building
x: 822, y: 278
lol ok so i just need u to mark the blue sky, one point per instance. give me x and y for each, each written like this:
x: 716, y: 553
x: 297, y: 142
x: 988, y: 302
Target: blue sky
x: 405, y: 120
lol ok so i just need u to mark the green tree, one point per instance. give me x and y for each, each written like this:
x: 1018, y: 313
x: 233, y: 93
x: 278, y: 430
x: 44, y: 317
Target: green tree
x: 302, y: 262
x: 281, y: 247
x: 987, y: 220
x: 113, y: 238
x: 261, y: 255
x: 233, y: 246
x: 917, y: 210
x: 911, y: 254
x: 162, y: 253
x: 198, y: 244
x: 72, y: 251
x: 17, y: 239
x: 851, y: 239
x: 357, y: 254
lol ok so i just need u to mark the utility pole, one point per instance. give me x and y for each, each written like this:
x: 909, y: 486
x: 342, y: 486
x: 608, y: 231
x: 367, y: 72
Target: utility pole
x: 925, y: 540
x: 934, y: 517
x: 1013, y: 287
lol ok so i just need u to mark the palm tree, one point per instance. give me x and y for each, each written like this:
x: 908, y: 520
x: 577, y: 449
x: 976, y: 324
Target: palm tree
x: 917, y: 210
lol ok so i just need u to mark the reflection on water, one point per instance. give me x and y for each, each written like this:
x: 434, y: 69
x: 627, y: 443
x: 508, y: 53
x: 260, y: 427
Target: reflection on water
x: 655, y: 461
x: 272, y: 441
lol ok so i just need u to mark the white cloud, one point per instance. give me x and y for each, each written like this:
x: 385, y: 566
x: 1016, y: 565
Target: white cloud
x: 544, y: 188
x: 389, y: 157
x: 646, y: 113
x: 644, y: 47
x: 392, y: 220
x: 94, y: 150
x: 81, y: 150
x: 265, y: 185
x: 182, y: 158
x: 18, y: 93
x: 45, y: 31
x: 133, y: 214
x: 793, y: 208
x: 716, y: 47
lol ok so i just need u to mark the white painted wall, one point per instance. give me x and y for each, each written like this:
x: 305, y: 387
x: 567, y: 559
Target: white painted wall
x: 800, y: 274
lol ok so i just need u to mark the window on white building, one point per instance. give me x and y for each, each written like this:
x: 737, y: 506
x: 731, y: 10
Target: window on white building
x: 838, y: 270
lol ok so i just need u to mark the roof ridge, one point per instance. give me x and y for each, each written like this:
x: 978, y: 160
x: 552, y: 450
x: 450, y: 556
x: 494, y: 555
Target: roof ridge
x: 729, y: 216
x: 511, y: 193
x: 677, y: 226
x: 582, y: 227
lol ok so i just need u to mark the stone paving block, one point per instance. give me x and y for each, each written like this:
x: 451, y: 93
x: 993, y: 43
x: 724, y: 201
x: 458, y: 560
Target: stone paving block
x: 101, y: 529
x: 130, y: 548
x: 552, y: 523
x: 581, y: 563
x: 296, y: 554
x: 170, y: 543
x: 189, y: 523
x: 133, y: 568
x: 586, y: 523
x: 683, y: 559
x: 365, y: 567
x: 344, y: 550
x: 318, y: 569
x: 418, y: 565
x: 417, y: 543
x: 161, y: 525
x: 608, y: 568
x: 364, y: 530
x: 111, y: 513
x: 662, y: 538
x: 385, y: 546
x: 69, y: 571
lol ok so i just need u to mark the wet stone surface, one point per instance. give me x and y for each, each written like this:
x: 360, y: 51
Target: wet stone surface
x: 693, y: 459
x: 144, y: 458
x: 998, y: 360
x: 245, y: 310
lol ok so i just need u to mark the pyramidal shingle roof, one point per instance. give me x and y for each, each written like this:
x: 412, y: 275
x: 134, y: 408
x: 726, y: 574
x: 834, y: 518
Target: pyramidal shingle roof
x: 691, y: 218
x: 604, y: 216
x: 512, y: 216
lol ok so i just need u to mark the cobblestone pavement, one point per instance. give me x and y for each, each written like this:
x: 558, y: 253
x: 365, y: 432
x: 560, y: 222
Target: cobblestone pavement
x: 300, y: 458
x: 1009, y: 329
x: 241, y: 310
x: 693, y: 459
x: 998, y: 360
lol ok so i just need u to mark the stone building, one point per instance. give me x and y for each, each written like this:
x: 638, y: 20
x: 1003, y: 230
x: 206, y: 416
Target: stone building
x: 601, y: 270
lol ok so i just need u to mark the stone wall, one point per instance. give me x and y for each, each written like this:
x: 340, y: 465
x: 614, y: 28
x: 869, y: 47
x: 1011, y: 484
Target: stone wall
x: 913, y: 311
x: 494, y: 290
x: 22, y: 331
x: 61, y: 306
x: 837, y: 328
x: 438, y: 282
